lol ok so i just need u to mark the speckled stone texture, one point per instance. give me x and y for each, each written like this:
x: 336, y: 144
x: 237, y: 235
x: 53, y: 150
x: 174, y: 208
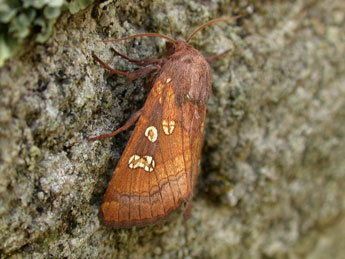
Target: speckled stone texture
x: 272, y: 174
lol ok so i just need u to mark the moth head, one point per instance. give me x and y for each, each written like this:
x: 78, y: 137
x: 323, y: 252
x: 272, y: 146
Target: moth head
x: 170, y: 48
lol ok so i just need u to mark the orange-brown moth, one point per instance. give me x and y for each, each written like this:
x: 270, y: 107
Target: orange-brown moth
x: 159, y: 167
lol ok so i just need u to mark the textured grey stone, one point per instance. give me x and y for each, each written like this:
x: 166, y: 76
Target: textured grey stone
x: 273, y: 168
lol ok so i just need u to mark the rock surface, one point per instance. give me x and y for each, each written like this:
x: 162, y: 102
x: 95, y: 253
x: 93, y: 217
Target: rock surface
x: 273, y: 168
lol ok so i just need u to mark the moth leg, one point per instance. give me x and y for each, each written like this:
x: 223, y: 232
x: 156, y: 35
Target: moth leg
x: 214, y: 58
x: 188, y: 208
x: 131, y: 75
x: 140, y: 62
x: 128, y: 124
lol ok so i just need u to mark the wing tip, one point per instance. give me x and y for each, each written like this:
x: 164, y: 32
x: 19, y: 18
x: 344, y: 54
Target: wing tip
x: 127, y: 224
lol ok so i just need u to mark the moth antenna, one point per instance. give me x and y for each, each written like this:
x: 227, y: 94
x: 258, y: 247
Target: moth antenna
x: 144, y: 35
x: 211, y: 22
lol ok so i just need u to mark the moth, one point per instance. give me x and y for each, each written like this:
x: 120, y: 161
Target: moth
x: 157, y: 171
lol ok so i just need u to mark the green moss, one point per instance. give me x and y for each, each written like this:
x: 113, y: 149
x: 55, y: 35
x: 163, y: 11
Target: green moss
x: 34, y: 19
x: 76, y: 6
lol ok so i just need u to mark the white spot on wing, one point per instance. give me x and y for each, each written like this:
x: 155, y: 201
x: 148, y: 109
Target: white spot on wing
x: 145, y: 162
x: 168, y: 126
x: 151, y: 133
